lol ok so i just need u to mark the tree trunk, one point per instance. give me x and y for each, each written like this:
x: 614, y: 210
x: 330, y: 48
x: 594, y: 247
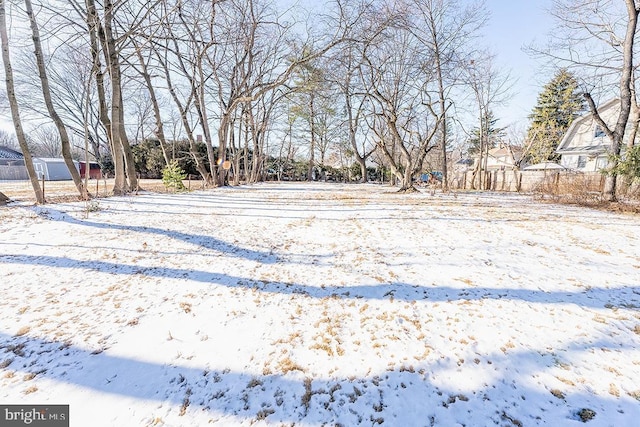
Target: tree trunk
x: 223, y: 134
x: 442, y: 100
x: 353, y: 123
x: 122, y: 156
x: 312, y: 148
x: 626, y: 81
x: 13, y: 103
x: 46, y: 92
x: 406, y: 185
x: 94, y: 29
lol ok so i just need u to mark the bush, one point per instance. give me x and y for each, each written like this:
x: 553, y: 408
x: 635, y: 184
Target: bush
x: 172, y: 177
x: 629, y: 164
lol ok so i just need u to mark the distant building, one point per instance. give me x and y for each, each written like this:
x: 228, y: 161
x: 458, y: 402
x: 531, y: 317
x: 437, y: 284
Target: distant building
x: 12, y: 167
x: 52, y: 169
x: 95, y: 172
x: 585, y: 147
x: 12, y: 164
x: 503, y: 157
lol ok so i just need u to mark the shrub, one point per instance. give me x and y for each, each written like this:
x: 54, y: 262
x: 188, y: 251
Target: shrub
x: 629, y: 164
x: 172, y: 177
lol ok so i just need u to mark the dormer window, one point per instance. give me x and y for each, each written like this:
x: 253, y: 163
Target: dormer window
x: 599, y: 132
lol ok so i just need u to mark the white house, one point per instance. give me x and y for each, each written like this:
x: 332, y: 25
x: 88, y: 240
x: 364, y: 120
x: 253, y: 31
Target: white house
x: 503, y: 157
x: 585, y: 146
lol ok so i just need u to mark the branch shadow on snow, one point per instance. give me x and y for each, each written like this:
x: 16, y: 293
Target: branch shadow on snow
x: 202, y: 240
x: 400, y: 395
x: 591, y: 297
x: 265, y: 209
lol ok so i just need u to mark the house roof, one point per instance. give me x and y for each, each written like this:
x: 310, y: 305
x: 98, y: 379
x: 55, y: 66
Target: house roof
x: 9, y: 153
x: 570, y: 135
x: 504, y: 150
x: 595, y: 149
x: 50, y: 159
x: 545, y: 166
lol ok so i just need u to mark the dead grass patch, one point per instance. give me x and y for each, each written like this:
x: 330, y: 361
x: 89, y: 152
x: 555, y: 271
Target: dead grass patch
x: 23, y: 331
x: 287, y: 365
x: 614, y: 390
x: 31, y: 389
x: 185, y: 403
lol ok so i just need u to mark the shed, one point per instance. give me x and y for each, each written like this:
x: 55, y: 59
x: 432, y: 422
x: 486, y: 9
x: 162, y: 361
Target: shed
x: 52, y: 169
x: 95, y: 172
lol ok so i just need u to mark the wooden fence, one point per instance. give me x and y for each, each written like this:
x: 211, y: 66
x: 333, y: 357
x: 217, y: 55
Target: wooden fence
x: 548, y: 181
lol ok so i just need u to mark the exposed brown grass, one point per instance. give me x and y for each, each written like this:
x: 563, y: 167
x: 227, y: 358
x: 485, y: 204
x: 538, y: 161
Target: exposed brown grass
x: 584, y: 190
x: 65, y: 191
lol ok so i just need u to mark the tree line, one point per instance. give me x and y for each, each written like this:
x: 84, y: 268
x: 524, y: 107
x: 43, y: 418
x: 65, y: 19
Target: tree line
x: 246, y: 85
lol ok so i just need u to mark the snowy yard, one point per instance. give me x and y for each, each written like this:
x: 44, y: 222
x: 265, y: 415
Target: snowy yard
x: 322, y: 304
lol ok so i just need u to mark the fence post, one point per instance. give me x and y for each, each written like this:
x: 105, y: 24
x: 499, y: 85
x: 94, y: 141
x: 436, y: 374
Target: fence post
x: 519, y: 181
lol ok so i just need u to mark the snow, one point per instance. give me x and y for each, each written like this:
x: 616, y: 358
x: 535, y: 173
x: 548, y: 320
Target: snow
x: 309, y: 304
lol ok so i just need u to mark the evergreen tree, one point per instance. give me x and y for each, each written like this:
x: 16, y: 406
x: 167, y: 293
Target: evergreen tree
x: 559, y: 104
x: 493, y: 134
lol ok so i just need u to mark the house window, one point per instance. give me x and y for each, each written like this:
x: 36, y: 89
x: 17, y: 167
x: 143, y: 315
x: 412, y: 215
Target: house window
x: 582, y: 162
x: 602, y: 163
x: 599, y: 133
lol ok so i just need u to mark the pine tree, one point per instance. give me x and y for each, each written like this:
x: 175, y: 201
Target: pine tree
x: 493, y: 134
x: 559, y: 104
x: 173, y: 176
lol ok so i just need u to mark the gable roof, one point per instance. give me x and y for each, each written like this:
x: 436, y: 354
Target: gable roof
x: 9, y: 153
x: 567, y: 144
x: 505, y: 150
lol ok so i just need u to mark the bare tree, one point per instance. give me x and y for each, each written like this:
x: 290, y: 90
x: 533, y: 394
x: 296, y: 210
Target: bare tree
x: 446, y: 31
x: 490, y: 87
x: 64, y: 78
x: 13, y: 103
x: 144, y: 70
x: 183, y: 111
x: 46, y: 92
x: 404, y: 114
x: 44, y: 141
x: 8, y: 139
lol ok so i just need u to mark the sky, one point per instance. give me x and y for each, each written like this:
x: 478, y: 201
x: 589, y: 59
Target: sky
x: 513, y: 25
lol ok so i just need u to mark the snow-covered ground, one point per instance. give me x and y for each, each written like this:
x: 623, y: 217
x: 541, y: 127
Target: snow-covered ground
x: 321, y: 304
